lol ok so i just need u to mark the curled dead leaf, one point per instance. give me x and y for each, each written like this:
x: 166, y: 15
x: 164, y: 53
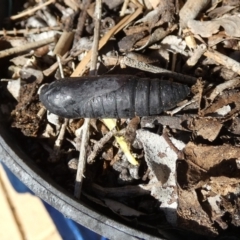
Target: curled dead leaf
x: 208, y: 28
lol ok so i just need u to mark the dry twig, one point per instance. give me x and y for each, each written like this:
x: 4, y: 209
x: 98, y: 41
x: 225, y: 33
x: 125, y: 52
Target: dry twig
x: 27, y: 46
x: 41, y: 112
x: 98, y: 13
x: 82, y: 159
x: 28, y: 31
x: 223, y: 60
x: 171, y: 145
x: 100, y: 144
x: 177, y: 109
x: 31, y: 11
x: 119, y: 192
x: 221, y: 87
x: 85, y: 127
x: 81, y: 21
x: 60, y: 66
x: 52, y: 68
x: 60, y: 138
x: 124, y: 7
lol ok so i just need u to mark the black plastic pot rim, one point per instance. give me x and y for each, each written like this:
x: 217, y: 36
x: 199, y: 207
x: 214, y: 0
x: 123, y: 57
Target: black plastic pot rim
x: 22, y: 166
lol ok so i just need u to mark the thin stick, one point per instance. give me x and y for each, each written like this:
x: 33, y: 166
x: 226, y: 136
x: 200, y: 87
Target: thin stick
x: 52, y: 68
x: 98, y: 146
x: 31, y: 11
x: 41, y: 112
x: 81, y: 21
x: 28, y: 31
x: 96, y: 37
x: 60, y: 138
x: 111, y: 123
x: 171, y: 145
x: 223, y: 86
x: 85, y: 127
x: 82, y: 159
x: 176, y: 110
x: 124, y: 8
x: 27, y: 46
x: 153, y: 69
x: 224, y: 60
x: 60, y: 66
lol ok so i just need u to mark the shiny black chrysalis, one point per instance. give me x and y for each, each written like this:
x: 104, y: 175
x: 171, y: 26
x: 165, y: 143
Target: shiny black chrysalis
x: 111, y: 96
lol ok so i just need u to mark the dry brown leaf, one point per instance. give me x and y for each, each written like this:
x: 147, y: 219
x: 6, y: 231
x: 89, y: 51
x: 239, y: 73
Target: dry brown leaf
x: 130, y: 133
x: 204, y: 161
x: 226, y: 98
x: 208, y: 157
x: 217, y: 38
x: 156, y: 35
x: 235, y: 126
x: 126, y: 44
x: 219, y: 197
x: 190, y: 212
x: 224, y: 185
x: 208, y: 128
x: 164, y: 13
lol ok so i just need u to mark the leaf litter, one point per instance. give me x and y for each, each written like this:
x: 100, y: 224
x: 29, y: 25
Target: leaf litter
x: 185, y: 168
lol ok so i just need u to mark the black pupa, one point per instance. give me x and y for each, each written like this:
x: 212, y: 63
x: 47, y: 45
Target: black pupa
x: 116, y: 96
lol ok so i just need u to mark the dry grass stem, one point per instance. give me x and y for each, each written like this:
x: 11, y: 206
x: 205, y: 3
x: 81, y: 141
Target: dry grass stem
x: 124, y: 7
